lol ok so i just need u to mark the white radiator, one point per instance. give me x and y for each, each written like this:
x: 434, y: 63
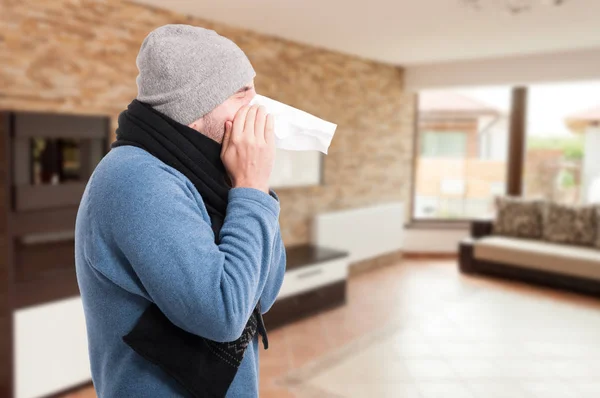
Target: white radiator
x: 364, y: 232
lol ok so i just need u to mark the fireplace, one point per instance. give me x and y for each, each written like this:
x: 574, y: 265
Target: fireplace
x: 53, y: 156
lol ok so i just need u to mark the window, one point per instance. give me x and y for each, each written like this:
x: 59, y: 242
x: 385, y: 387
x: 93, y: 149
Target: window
x: 463, y: 138
x: 561, y: 159
x: 462, y: 142
x: 436, y: 144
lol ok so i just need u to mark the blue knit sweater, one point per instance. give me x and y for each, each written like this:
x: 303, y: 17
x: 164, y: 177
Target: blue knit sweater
x: 143, y: 236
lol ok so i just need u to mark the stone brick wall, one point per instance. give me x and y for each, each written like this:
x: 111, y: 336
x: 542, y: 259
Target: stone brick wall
x: 78, y: 56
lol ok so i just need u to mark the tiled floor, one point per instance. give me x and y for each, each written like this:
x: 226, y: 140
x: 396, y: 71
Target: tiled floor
x: 421, y: 329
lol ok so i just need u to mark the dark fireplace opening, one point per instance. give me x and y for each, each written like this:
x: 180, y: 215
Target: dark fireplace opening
x: 62, y: 160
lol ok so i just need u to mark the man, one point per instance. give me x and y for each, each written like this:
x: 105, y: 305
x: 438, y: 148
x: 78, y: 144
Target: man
x: 178, y: 248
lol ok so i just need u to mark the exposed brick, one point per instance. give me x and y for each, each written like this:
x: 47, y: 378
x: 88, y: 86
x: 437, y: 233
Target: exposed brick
x: 79, y: 57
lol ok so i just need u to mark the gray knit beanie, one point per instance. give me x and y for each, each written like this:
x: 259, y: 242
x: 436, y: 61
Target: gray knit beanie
x: 186, y: 71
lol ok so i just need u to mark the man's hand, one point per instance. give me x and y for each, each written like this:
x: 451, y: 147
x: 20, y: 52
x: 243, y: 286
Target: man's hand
x: 248, y: 151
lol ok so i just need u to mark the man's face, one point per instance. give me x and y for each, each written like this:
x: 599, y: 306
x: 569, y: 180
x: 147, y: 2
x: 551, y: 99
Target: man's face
x: 213, y: 124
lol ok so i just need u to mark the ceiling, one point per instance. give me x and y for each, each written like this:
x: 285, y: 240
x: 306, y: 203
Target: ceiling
x: 408, y: 32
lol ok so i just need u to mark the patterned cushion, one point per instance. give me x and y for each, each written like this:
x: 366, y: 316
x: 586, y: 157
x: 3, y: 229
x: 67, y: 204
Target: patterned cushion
x: 519, y: 217
x: 570, y: 224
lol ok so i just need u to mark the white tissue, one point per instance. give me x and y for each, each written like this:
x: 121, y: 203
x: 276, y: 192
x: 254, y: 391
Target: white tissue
x: 296, y: 130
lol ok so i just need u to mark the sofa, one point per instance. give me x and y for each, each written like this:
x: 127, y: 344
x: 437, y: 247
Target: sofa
x: 539, y: 242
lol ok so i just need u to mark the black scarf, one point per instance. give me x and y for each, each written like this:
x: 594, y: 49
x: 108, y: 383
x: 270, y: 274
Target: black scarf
x: 195, y: 362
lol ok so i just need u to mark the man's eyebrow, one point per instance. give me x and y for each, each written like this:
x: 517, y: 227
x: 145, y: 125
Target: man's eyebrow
x: 243, y: 89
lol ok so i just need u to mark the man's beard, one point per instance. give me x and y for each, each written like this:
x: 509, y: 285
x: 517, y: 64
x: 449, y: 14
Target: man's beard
x: 213, y: 128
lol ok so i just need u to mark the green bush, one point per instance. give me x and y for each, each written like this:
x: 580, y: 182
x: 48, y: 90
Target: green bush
x: 566, y: 179
x: 571, y: 147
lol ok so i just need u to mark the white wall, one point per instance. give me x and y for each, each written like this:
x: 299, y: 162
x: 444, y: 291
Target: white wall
x: 433, y: 240
x: 574, y: 65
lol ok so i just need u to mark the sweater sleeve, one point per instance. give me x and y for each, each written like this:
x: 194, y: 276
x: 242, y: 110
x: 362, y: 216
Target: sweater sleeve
x: 276, y: 274
x: 206, y: 289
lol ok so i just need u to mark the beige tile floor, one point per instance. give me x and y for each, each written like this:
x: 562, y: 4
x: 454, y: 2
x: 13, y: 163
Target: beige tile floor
x: 421, y: 329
